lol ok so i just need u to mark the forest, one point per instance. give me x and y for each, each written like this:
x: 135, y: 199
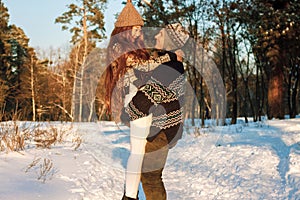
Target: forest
x: 255, y: 45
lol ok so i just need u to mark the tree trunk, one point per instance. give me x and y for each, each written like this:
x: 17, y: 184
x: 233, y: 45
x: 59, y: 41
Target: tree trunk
x: 257, y: 95
x: 74, y: 90
x: 85, y: 37
x: 234, y: 102
x: 276, y: 94
x: 32, y: 90
x: 294, y: 92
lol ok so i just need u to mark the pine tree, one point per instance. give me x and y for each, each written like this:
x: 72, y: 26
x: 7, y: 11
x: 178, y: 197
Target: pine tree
x: 14, y: 55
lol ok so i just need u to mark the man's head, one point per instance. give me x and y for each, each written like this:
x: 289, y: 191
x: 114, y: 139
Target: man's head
x: 172, y: 37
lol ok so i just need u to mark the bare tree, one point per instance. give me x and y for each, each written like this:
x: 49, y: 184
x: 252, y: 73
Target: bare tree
x: 87, y: 30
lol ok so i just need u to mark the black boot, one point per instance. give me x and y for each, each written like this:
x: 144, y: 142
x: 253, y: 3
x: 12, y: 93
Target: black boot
x: 128, y: 198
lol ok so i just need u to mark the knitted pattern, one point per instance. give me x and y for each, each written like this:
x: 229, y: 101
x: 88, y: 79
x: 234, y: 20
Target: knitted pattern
x: 157, y: 93
x: 133, y: 112
x: 163, y: 96
x: 168, y: 120
x: 178, y: 34
x: 129, y: 16
x: 177, y: 86
x: 142, y: 66
x: 151, y: 64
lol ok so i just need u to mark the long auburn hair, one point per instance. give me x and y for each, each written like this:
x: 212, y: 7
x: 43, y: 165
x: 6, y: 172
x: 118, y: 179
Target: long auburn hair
x: 121, y: 36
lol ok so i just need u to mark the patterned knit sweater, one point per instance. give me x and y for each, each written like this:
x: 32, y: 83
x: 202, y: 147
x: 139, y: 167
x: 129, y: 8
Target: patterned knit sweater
x: 163, y: 96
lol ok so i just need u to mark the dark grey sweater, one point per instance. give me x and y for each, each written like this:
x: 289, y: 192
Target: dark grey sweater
x: 163, y: 96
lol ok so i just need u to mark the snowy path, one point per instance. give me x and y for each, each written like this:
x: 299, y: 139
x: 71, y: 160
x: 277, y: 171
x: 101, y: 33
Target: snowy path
x: 254, y: 164
x: 232, y: 162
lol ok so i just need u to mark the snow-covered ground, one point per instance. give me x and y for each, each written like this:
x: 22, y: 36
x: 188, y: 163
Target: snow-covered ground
x: 244, y: 161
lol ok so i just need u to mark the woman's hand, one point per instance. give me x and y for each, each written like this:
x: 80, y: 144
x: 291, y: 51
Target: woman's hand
x: 180, y: 54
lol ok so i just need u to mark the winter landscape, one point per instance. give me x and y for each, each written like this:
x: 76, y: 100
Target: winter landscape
x: 242, y: 60
x: 258, y: 160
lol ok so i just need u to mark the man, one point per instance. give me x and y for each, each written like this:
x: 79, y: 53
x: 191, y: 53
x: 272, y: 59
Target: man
x: 156, y: 112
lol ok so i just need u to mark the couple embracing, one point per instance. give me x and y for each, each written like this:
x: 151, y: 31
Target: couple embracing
x: 145, y: 90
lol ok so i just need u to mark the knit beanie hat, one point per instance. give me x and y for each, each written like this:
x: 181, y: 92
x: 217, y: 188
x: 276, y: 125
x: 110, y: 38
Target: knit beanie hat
x: 175, y: 36
x: 129, y: 16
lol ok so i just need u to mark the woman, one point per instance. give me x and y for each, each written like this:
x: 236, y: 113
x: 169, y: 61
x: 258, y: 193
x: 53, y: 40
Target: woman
x: 127, y: 60
x: 126, y: 43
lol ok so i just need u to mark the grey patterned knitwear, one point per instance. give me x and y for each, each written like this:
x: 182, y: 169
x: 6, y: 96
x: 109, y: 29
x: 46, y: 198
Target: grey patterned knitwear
x: 163, y: 96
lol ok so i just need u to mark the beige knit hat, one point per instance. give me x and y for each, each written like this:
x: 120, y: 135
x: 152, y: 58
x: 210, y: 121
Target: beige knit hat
x: 176, y: 36
x: 129, y: 16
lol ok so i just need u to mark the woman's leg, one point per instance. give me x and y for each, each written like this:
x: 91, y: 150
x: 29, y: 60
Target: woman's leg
x: 139, y: 130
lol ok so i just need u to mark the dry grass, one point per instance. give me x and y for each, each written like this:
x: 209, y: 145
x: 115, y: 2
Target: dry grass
x: 77, y: 142
x: 194, y: 130
x: 47, y: 136
x: 44, y: 138
x: 42, y: 135
x: 43, y: 168
x: 15, y: 136
x: 12, y: 138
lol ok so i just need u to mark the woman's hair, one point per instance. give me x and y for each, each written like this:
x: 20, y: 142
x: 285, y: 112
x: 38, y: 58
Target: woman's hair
x: 120, y: 46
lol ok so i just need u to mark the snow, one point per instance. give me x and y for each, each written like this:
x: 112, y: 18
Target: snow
x: 243, y: 161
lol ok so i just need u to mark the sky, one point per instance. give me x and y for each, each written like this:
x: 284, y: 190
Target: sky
x: 36, y: 18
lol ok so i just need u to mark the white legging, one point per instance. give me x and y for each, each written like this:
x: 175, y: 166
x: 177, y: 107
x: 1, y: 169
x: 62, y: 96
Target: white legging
x: 139, y: 130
